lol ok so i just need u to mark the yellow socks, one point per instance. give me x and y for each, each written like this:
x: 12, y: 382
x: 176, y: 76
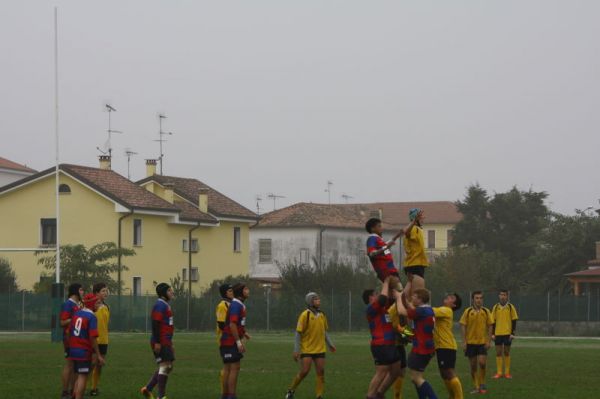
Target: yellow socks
x: 499, y: 365
x: 448, y: 384
x: 95, y: 378
x: 455, y: 389
x: 475, y: 379
x: 481, y: 378
x: 221, y: 381
x: 507, y: 364
x: 398, y: 387
x: 320, y: 385
x: 297, y: 380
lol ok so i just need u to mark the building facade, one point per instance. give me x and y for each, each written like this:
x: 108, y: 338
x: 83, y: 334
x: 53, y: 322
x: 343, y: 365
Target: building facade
x: 11, y: 171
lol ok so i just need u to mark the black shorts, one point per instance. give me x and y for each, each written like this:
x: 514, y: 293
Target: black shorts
x: 384, y: 355
x: 446, y: 358
x: 418, y: 362
x: 103, y: 348
x: 313, y: 355
x: 230, y: 354
x: 503, y: 340
x: 82, y: 366
x: 415, y: 270
x: 166, y: 354
x: 385, y: 273
x: 402, y: 352
x: 475, y: 350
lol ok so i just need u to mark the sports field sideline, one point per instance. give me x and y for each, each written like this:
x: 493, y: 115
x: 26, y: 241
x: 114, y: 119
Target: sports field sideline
x: 542, y: 367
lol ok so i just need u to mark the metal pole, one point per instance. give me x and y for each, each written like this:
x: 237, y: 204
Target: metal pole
x: 146, y: 311
x: 349, y: 311
x: 589, y: 295
x: 269, y: 308
x: 598, y: 304
x: 548, y: 308
x: 23, y: 310
x: 559, y: 305
x: 332, y: 304
x: 56, y: 131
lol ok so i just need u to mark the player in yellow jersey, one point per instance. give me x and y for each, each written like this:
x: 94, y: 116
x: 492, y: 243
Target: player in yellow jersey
x: 415, y: 259
x: 401, y: 341
x: 476, y: 328
x: 226, y: 291
x: 445, y: 344
x: 311, y: 344
x: 103, y: 316
x: 505, y: 317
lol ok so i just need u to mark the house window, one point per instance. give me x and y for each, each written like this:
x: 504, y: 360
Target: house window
x: 304, y: 256
x: 137, y: 286
x: 184, y: 274
x: 237, y: 239
x: 184, y: 245
x: 450, y: 236
x: 431, y: 239
x: 137, y: 232
x: 64, y: 189
x: 48, y: 227
x: 264, y: 250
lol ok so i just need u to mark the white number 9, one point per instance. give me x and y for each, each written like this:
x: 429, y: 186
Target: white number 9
x: 78, y: 323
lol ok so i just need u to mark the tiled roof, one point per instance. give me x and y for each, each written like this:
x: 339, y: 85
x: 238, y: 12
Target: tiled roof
x: 190, y: 212
x: 591, y: 272
x: 218, y: 204
x: 8, y: 164
x: 354, y: 216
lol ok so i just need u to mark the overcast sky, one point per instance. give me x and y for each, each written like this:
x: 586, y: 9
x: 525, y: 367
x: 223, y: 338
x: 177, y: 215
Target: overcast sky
x: 391, y: 100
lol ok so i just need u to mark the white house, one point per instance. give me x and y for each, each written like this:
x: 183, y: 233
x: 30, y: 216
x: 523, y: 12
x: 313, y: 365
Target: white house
x: 307, y: 233
x: 11, y: 171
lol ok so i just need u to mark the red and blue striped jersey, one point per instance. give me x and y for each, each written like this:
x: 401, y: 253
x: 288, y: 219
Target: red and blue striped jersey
x: 83, y: 327
x: 67, y: 310
x: 380, y: 323
x: 424, y: 322
x: 162, y: 313
x: 383, y: 263
x: 235, y: 314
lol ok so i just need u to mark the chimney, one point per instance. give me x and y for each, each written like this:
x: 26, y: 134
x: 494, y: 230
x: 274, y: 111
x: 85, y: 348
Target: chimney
x: 169, y: 195
x: 105, y: 162
x: 150, y: 167
x: 203, y: 200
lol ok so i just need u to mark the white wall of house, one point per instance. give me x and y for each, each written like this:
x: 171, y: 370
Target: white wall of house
x: 8, y: 176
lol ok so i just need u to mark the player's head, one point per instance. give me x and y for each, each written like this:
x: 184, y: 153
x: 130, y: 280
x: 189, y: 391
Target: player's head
x: 241, y: 291
x: 101, y: 290
x: 453, y: 301
x: 503, y: 296
x: 76, y: 290
x: 420, y: 296
x: 226, y: 291
x: 369, y: 296
x: 312, y: 300
x: 477, y: 298
x: 164, y: 291
x: 416, y: 214
x: 91, y: 301
x: 373, y: 226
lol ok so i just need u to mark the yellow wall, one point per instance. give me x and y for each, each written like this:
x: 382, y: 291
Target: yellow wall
x: 87, y: 218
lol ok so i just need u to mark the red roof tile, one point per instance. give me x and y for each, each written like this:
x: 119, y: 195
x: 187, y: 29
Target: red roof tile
x: 8, y: 164
x: 592, y: 272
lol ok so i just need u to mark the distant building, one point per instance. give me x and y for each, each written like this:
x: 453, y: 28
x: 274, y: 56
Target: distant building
x: 307, y: 233
x: 11, y: 171
x: 587, y: 280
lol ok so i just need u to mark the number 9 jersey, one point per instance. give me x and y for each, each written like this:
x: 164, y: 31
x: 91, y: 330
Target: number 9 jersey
x: 84, y: 327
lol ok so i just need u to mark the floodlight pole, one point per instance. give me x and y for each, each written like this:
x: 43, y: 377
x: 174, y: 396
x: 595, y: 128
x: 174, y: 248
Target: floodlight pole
x: 56, y: 131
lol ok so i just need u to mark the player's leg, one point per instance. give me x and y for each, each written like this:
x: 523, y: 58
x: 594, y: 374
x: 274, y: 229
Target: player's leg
x: 482, y: 364
x: 305, y: 364
x: 474, y: 372
x: 417, y: 364
x: 225, y: 380
x: 234, y: 371
x: 399, y: 383
x: 389, y: 379
x: 446, y: 363
x: 67, y: 372
x: 499, y: 355
x: 507, y: 346
x: 164, y: 369
x: 79, y: 386
x: 320, y: 371
x: 381, y: 372
x: 97, y: 370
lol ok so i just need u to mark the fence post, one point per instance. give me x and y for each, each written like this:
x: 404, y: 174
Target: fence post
x: 146, y: 311
x: 598, y: 304
x: 349, y: 311
x: 548, y: 308
x: 332, y: 305
x: 589, y: 298
x: 559, y: 304
x: 23, y: 310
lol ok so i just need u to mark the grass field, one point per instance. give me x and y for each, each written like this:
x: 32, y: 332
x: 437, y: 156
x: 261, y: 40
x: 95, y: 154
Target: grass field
x: 543, y: 368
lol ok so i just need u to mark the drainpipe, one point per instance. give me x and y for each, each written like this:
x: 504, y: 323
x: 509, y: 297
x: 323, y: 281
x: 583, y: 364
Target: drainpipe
x: 189, y: 298
x: 322, y: 229
x: 119, y: 261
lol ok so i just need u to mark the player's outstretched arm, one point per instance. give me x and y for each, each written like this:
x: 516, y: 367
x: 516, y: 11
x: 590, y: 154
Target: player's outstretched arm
x: 400, y: 306
x: 412, y: 224
x: 329, y: 343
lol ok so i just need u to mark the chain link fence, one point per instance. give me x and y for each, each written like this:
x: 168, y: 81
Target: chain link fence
x: 25, y: 311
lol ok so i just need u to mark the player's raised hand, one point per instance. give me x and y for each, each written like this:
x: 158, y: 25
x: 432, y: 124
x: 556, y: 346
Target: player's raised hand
x: 296, y: 356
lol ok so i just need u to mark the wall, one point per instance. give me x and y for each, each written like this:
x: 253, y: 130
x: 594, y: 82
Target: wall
x: 9, y: 176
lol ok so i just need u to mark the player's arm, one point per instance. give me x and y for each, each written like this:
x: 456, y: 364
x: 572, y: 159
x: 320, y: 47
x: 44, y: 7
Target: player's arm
x: 489, y: 330
x: 514, y: 317
x: 233, y: 318
x: 463, y: 329
x: 96, y: 348
x: 156, y: 332
x: 493, y: 323
x: 409, y: 227
x: 65, y: 318
x: 329, y: 343
x: 400, y: 304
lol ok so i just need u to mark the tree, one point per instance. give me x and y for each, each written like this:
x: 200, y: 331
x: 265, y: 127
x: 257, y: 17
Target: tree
x: 79, y: 264
x: 8, y: 278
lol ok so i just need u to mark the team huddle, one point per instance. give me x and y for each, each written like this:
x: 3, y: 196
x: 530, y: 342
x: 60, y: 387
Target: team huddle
x: 397, y: 315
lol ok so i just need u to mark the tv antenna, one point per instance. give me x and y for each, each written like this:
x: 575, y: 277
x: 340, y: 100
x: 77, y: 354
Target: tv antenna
x: 108, y: 146
x: 161, y: 140
x: 129, y: 153
x: 275, y: 197
x: 258, y: 200
x: 347, y: 197
x: 328, y: 190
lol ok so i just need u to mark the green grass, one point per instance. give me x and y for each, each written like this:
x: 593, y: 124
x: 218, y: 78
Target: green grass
x: 543, y: 368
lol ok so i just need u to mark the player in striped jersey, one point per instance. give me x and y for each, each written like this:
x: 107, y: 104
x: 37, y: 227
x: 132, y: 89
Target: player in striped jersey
x: 68, y: 309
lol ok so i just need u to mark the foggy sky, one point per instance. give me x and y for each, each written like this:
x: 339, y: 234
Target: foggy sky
x: 392, y: 100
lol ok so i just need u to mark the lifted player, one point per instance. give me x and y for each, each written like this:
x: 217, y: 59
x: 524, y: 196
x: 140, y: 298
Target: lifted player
x: 311, y: 344
x: 415, y: 259
x: 226, y: 291
x: 379, y: 252
x: 445, y: 344
x: 505, y: 319
x: 83, y: 332
x: 161, y: 341
x: 68, y: 309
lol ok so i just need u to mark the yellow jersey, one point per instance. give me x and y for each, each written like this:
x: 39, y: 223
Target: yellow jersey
x: 443, y: 337
x: 414, y: 248
x: 312, y: 328
x: 503, y: 317
x: 395, y: 318
x: 221, y: 314
x: 477, y: 324
x: 103, y: 316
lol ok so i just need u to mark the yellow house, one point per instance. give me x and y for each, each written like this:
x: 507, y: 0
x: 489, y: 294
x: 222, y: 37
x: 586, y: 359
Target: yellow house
x: 154, y: 217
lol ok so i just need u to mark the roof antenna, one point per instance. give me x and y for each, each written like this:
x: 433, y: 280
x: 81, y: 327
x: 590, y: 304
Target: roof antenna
x: 274, y: 197
x: 328, y: 190
x: 258, y: 201
x: 108, y: 146
x: 161, y: 140
x: 346, y: 197
x: 128, y: 154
